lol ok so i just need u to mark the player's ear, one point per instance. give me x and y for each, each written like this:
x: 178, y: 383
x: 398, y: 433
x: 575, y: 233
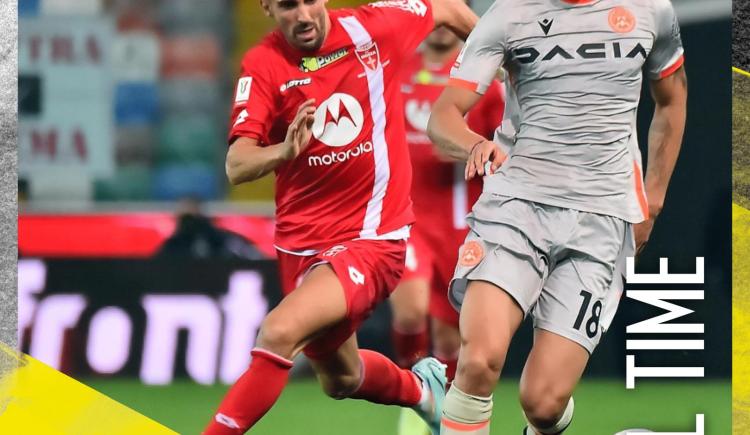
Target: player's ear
x: 265, y: 6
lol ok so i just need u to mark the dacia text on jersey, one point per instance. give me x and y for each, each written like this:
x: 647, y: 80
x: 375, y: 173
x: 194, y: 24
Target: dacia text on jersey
x: 599, y: 50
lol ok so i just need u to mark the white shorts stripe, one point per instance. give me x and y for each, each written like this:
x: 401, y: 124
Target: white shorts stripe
x: 376, y: 84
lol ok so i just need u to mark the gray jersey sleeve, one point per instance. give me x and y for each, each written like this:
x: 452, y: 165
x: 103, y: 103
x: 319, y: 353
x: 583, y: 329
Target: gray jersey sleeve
x: 667, y: 52
x: 483, y: 53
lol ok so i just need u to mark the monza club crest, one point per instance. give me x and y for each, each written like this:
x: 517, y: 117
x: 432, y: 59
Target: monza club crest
x: 368, y: 55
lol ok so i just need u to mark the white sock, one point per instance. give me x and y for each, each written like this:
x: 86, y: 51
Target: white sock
x: 558, y: 427
x: 425, y: 401
x: 465, y: 414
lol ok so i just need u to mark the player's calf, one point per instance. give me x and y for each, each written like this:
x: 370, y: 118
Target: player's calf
x: 340, y: 386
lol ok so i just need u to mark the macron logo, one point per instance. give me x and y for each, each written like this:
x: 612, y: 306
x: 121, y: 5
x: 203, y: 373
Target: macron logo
x: 545, y: 24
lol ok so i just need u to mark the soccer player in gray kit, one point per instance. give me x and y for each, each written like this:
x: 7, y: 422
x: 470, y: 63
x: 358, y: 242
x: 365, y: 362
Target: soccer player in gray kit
x: 567, y: 202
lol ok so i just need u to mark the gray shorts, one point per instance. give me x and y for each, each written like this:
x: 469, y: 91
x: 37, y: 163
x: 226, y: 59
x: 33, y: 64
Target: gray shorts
x: 560, y: 265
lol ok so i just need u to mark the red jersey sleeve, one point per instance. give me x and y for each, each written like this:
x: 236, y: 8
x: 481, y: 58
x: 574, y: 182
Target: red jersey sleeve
x: 254, y: 101
x: 487, y: 115
x: 404, y: 23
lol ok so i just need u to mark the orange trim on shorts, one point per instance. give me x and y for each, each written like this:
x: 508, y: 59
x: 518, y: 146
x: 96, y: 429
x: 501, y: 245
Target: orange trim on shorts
x: 639, y: 190
x: 461, y: 83
x: 671, y: 70
x: 463, y: 427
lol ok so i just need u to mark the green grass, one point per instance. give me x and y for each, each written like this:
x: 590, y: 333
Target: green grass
x: 603, y: 407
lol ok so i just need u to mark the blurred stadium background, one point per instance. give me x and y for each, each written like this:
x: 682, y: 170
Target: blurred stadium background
x: 123, y: 108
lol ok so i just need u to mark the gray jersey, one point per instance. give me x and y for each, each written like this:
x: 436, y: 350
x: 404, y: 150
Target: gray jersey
x: 574, y: 75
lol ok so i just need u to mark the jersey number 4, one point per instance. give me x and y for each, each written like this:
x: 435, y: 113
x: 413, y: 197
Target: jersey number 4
x: 592, y: 326
x: 356, y: 276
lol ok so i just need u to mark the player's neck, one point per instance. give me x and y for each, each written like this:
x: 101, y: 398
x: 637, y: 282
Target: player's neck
x: 439, y: 56
x: 327, y: 29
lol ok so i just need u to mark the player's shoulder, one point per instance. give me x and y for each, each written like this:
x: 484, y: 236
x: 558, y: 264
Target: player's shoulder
x: 267, y: 52
x: 501, y: 13
x: 651, y: 6
x: 384, y: 8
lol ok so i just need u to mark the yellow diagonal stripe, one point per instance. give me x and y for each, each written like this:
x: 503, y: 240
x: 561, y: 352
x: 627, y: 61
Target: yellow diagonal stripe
x: 37, y: 399
x: 741, y: 320
x: 740, y: 71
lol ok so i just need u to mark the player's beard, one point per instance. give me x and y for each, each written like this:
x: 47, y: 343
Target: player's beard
x: 308, y: 36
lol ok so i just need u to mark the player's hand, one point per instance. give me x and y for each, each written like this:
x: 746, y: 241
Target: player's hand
x: 483, y: 152
x: 642, y: 232
x: 299, y: 132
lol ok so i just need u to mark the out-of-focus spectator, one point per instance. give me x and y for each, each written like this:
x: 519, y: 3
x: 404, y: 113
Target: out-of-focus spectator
x: 196, y: 236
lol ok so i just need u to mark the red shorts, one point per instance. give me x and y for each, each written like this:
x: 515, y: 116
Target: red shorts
x: 369, y: 271
x: 433, y: 259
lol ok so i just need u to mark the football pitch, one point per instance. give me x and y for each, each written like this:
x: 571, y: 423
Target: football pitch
x: 603, y: 407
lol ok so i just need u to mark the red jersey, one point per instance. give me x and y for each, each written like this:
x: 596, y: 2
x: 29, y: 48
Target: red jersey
x: 352, y: 181
x: 441, y: 196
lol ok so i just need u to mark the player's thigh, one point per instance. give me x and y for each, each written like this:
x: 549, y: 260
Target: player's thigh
x: 489, y: 319
x: 582, y: 291
x: 317, y: 304
x: 495, y: 283
x: 552, y: 371
x: 339, y: 371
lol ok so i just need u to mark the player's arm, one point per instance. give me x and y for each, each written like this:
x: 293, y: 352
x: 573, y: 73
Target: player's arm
x: 664, y: 142
x: 447, y: 127
x: 455, y: 15
x: 665, y: 135
x: 664, y: 66
x: 248, y: 161
x: 449, y: 130
x: 474, y: 72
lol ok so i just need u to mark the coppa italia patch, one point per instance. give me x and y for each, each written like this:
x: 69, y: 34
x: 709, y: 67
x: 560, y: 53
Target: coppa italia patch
x: 309, y: 64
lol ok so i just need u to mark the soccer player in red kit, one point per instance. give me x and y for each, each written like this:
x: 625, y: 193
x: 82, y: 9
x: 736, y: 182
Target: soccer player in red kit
x: 442, y: 198
x: 319, y: 103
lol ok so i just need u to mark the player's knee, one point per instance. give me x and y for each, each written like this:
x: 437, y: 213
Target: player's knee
x: 340, y: 386
x: 277, y: 336
x: 410, y: 321
x: 480, y: 367
x: 543, y: 406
